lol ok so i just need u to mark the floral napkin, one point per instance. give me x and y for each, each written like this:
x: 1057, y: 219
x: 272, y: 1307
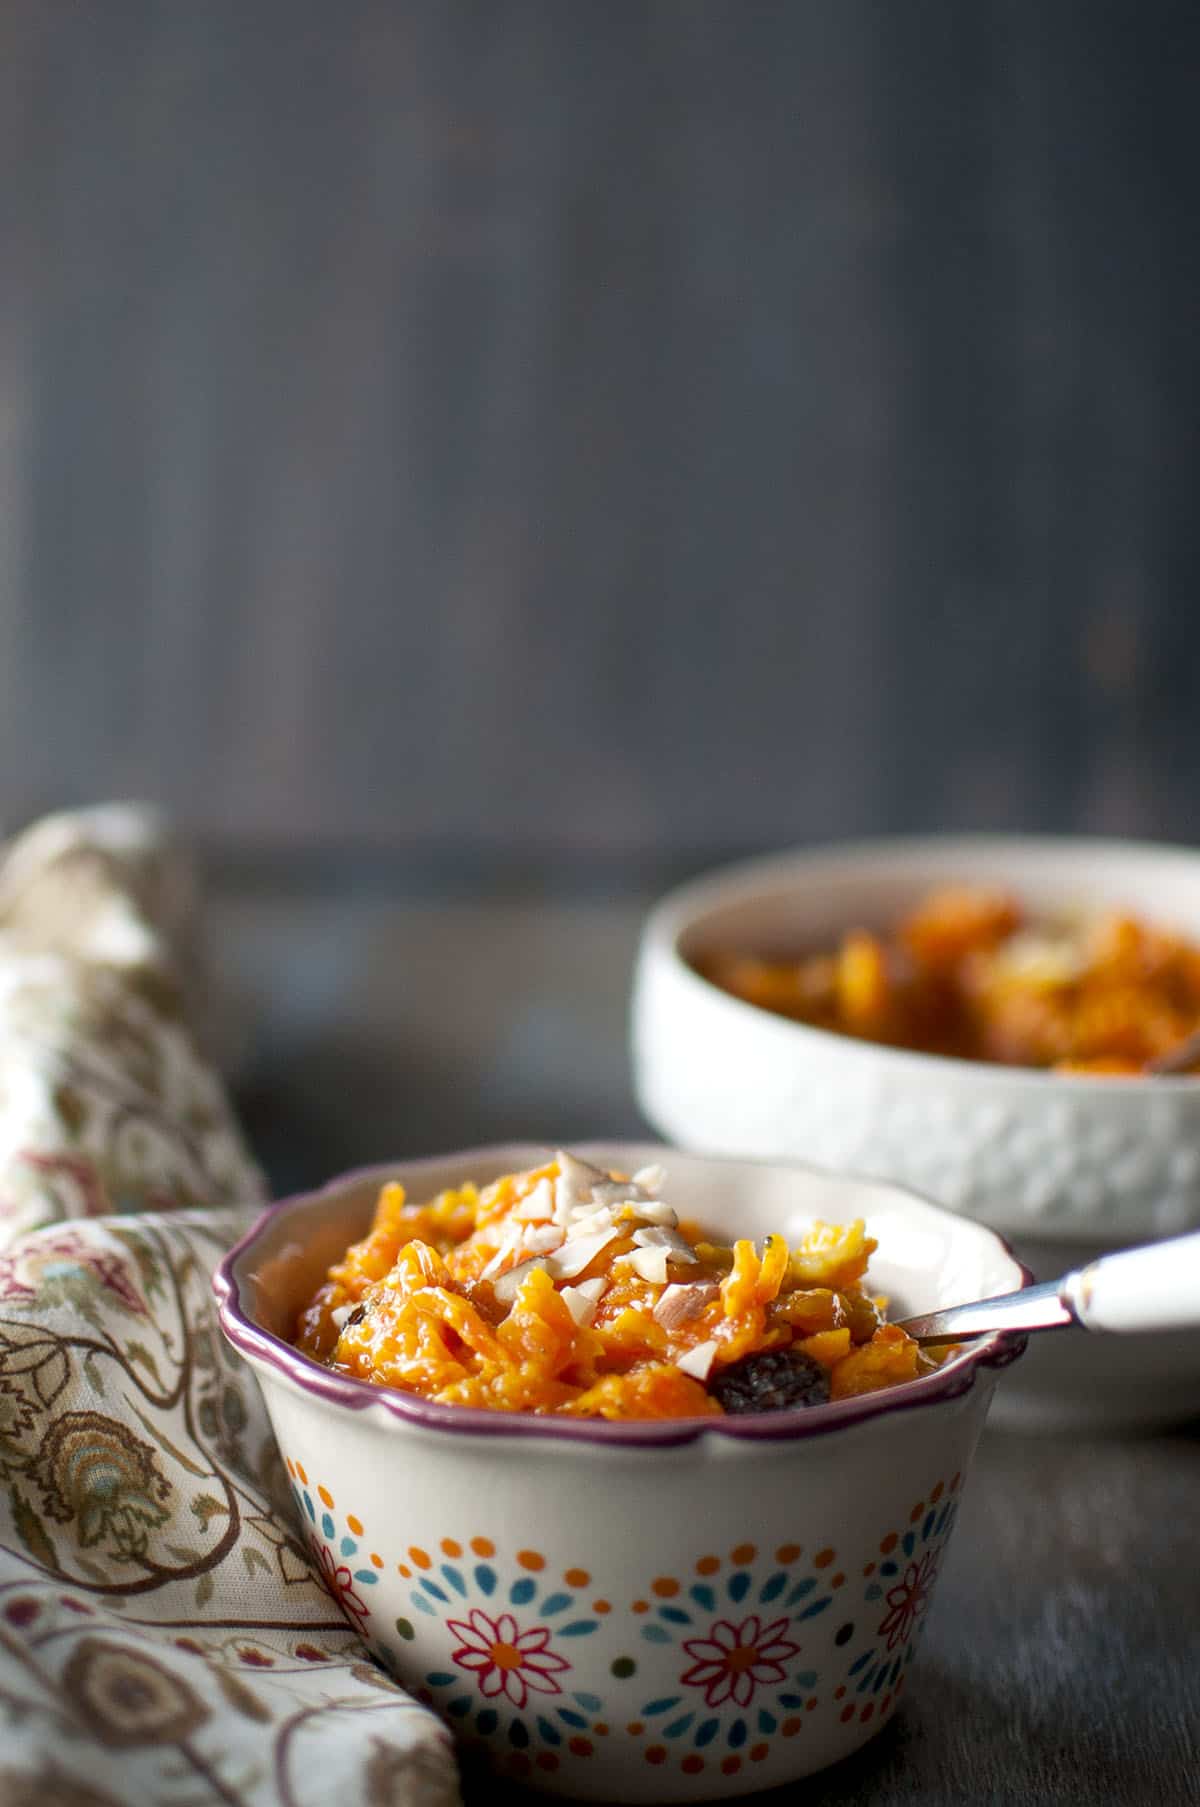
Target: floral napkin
x: 164, y: 1637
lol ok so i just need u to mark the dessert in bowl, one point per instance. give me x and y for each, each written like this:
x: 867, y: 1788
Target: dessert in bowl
x: 646, y: 1608
x: 1066, y: 1164
x: 573, y: 1289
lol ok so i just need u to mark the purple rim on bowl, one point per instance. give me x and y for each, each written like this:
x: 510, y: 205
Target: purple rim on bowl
x: 954, y: 1378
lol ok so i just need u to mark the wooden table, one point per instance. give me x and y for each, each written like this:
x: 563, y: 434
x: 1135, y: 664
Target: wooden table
x: 1061, y: 1663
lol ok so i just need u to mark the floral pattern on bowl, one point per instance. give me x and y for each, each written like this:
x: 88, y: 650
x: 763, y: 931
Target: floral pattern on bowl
x: 747, y: 1645
x: 634, y: 1610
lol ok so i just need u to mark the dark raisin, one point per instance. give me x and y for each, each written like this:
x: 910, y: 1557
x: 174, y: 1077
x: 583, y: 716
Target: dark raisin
x: 775, y: 1381
x: 356, y: 1316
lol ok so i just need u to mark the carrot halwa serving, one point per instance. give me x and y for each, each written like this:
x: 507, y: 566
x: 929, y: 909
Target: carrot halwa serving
x: 968, y: 973
x: 570, y: 1290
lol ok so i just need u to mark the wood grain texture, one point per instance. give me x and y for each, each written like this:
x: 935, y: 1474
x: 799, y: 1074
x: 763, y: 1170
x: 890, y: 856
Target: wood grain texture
x: 502, y: 423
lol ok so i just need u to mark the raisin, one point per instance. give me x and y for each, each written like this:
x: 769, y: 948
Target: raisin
x: 775, y: 1381
x: 356, y: 1317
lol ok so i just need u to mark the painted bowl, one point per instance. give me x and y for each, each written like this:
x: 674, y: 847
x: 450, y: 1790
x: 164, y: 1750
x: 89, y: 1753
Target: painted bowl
x: 655, y: 1611
x: 1064, y: 1166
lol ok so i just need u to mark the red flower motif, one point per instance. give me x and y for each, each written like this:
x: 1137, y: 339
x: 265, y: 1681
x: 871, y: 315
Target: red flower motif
x: 54, y: 1252
x: 732, y: 1661
x: 909, y: 1599
x: 339, y: 1582
x: 506, y: 1660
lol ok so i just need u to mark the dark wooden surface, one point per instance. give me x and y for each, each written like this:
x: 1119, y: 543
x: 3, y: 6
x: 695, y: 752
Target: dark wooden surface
x: 592, y: 428
x: 1062, y: 1659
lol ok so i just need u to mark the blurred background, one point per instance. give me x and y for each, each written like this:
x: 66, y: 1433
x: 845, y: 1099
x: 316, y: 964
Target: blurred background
x: 474, y: 463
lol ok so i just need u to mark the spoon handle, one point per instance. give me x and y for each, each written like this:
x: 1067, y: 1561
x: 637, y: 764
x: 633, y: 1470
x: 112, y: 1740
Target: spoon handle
x: 1151, y: 1288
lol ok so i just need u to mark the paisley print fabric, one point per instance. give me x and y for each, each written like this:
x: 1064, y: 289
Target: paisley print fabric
x: 163, y: 1635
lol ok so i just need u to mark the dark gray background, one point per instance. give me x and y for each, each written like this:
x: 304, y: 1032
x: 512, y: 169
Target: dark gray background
x: 599, y: 431
x: 474, y: 461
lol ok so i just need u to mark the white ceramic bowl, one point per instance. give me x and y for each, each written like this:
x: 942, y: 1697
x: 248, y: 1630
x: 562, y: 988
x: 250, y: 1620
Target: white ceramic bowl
x: 652, y: 1611
x: 1065, y: 1166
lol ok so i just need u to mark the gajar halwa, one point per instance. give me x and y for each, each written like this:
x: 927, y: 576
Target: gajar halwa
x: 968, y: 973
x: 569, y: 1290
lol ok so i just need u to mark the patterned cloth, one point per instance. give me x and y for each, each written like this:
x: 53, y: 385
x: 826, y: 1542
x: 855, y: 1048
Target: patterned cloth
x: 163, y: 1636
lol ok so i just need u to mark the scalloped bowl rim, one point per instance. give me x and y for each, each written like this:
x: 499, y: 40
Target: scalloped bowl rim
x: 262, y: 1348
x: 685, y: 908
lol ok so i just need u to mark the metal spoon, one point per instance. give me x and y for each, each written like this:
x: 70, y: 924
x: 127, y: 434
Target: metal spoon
x: 1152, y: 1288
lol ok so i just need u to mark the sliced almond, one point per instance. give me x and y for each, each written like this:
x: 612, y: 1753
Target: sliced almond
x: 509, y: 1243
x: 578, y: 1252
x: 651, y: 1179
x: 539, y: 1239
x: 698, y: 1361
x: 595, y: 1288
x: 649, y: 1264
x: 587, y: 1222
x: 653, y: 1210
x: 538, y: 1207
x: 679, y: 1304
x: 579, y: 1303
x: 574, y: 1184
x: 508, y: 1285
x: 665, y: 1237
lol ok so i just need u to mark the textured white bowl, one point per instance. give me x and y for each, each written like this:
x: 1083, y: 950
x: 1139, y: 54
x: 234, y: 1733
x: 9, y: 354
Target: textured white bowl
x: 659, y: 1611
x: 1050, y: 1160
